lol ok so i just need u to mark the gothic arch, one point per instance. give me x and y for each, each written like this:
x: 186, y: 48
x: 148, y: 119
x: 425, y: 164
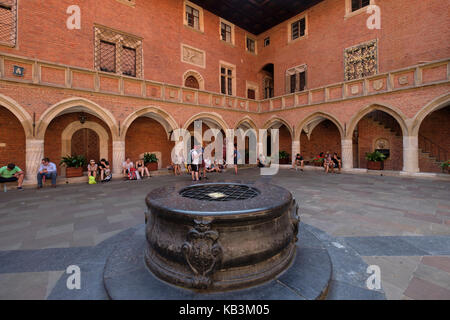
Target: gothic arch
x: 392, y: 111
x: 20, y: 113
x: 436, y: 104
x: 196, y: 75
x: 318, y: 116
x: 75, y: 105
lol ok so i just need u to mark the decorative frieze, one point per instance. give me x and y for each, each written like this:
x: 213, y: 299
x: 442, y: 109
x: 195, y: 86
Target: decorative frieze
x: 193, y: 56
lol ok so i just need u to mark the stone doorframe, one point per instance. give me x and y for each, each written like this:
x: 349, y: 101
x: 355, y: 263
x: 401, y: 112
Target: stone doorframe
x: 66, y: 139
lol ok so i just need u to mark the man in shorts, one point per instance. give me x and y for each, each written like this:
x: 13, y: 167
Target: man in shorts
x: 195, y: 163
x: 12, y: 173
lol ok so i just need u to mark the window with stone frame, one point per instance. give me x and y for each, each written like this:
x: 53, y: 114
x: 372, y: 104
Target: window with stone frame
x: 358, y: 4
x: 298, y: 28
x: 266, y: 41
x: 193, y: 17
x: 226, y: 80
x: 251, y: 94
x: 225, y: 32
x: 296, y: 79
x: 118, y: 52
x: 268, y: 87
x: 8, y: 22
x: 251, y: 45
x: 191, y: 82
x: 361, y: 60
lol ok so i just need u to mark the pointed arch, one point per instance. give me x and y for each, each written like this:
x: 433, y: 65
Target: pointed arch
x: 161, y: 116
x: 317, y: 116
x: 197, y: 76
x: 20, y: 113
x: 212, y: 116
x: 247, y: 120
x: 77, y: 104
x: 436, y: 104
x: 274, y: 120
x: 392, y: 111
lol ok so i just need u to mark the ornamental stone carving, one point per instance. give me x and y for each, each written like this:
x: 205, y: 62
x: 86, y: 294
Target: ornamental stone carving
x: 361, y: 60
x: 192, y: 55
x: 202, y: 252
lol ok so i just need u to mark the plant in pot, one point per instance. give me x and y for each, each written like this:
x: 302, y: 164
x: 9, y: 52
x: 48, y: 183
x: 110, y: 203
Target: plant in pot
x: 151, y: 161
x: 318, y: 161
x: 74, y: 165
x: 375, y: 160
x: 284, y: 157
x: 446, y: 166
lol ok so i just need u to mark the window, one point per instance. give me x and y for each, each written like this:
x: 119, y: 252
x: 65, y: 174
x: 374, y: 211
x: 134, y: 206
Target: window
x: 296, y: 79
x: 266, y: 41
x: 8, y: 22
x: 251, y: 45
x: 227, y: 79
x: 251, y: 94
x: 193, y: 17
x: 298, y: 28
x: 117, y: 52
x: 107, y: 56
x: 191, y: 82
x: 225, y: 32
x: 129, y: 62
x: 358, y: 4
x: 268, y: 88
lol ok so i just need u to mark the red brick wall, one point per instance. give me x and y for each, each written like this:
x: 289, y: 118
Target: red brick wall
x: 410, y: 33
x: 147, y: 135
x: 285, y: 140
x: 325, y: 137
x: 369, y: 131
x: 53, y: 143
x: 435, y: 127
x: 13, y: 135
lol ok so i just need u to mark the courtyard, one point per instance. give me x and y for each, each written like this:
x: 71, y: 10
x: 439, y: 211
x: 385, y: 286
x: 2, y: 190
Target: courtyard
x: 400, y: 224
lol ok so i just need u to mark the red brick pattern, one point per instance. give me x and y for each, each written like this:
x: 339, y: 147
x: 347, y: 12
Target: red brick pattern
x: 11, y: 134
x: 325, y: 137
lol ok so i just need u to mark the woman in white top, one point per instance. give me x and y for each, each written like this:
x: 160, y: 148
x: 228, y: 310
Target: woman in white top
x: 126, y: 166
x: 92, y: 168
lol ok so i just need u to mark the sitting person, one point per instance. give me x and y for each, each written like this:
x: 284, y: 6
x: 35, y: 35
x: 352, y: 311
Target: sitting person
x: 105, y: 171
x: 12, y: 173
x: 299, y: 162
x: 328, y: 163
x: 337, y: 161
x: 92, y: 169
x: 261, y: 161
x: 48, y: 170
x: 126, y: 166
x: 142, y: 169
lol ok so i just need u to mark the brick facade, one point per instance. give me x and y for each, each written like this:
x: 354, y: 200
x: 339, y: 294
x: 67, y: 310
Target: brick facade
x: 59, y: 66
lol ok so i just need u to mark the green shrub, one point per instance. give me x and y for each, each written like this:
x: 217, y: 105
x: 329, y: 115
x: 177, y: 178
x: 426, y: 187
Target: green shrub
x: 74, y: 161
x: 375, y: 156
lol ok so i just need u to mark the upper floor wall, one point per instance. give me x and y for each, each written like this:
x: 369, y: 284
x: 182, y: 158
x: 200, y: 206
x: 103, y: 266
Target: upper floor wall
x: 160, y: 25
x: 411, y: 32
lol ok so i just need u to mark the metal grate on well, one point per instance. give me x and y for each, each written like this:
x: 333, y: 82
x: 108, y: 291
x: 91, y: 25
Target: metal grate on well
x: 219, y: 192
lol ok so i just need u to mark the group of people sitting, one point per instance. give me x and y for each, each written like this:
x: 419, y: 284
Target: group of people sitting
x: 102, y: 168
x: 330, y: 162
x: 133, y: 171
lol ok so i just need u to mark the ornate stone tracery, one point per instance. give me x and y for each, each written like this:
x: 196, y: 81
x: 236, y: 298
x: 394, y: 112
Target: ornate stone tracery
x: 361, y: 61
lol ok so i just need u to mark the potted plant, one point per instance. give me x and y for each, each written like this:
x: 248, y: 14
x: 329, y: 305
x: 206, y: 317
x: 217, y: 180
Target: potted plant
x: 445, y: 166
x: 151, y: 161
x: 284, y: 157
x: 74, y: 165
x: 375, y: 160
x: 318, y: 161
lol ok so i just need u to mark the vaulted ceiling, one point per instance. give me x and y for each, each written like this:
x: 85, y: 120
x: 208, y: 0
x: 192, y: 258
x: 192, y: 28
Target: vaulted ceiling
x: 256, y: 16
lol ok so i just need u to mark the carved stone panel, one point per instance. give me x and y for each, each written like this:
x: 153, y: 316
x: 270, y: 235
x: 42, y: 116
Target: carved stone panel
x: 361, y: 60
x: 192, y: 55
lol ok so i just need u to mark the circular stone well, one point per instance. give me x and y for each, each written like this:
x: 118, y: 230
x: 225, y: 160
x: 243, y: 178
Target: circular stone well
x: 216, y: 239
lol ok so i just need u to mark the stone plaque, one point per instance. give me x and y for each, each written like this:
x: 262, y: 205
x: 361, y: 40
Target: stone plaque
x: 403, y: 80
x: 361, y: 60
x: 354, y: 89
x: 192, y: 56
x: 378, y: 84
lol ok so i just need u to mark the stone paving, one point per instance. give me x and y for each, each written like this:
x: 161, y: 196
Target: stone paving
x: 399, y: 224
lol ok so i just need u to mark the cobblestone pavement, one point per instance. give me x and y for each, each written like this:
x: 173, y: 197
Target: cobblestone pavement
x: 399, y: 224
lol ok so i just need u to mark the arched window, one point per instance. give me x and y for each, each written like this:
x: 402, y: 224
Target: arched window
x: 191, y: 82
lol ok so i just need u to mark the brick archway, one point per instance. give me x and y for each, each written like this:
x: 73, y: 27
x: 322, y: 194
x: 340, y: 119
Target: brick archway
x: 436, y: 104
x: 20, y: 113
x: 197, y: 76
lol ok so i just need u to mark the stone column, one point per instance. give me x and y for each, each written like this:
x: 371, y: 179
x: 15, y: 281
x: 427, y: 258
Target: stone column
x: 118, y: 157
x: 295, y: 150
x: 230, y: 147
x: 33, y: 156
x: 410, y: 154
x: 347, y: 154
